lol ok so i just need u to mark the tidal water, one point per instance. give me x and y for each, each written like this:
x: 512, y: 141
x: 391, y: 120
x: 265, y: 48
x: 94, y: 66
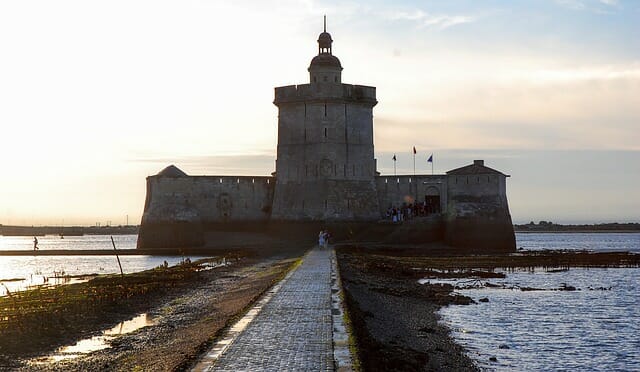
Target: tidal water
x: 20, y: 272
x: 596, y: 327
x: 69, y: 242
x: 597, y: 242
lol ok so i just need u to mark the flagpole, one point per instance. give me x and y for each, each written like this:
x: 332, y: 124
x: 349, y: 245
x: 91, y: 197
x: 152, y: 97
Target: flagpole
x: 414, y: 175
x: 394, y: 164
x: 414, y: 162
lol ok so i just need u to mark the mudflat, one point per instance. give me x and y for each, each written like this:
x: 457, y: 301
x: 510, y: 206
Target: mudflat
x: 190, y: 309
x: 394, y: 318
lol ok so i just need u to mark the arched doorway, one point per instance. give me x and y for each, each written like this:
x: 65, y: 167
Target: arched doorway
x: 432, y: 200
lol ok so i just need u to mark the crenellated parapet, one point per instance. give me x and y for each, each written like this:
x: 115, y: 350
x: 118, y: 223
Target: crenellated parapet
x: 325, y: 92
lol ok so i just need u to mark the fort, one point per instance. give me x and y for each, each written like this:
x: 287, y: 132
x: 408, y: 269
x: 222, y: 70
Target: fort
x: 326, y: 176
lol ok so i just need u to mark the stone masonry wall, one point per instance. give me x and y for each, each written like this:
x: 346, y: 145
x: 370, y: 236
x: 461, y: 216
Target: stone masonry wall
x: 395, y: 190
x: 208, y: 199
x: 325, y: 163
x: 478, y: 213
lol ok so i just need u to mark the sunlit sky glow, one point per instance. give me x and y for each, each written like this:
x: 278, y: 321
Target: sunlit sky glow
x: 95, y: 96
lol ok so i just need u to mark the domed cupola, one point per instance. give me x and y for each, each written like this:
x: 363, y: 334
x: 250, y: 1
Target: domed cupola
x: 324, y: 41
x: 325, y: 67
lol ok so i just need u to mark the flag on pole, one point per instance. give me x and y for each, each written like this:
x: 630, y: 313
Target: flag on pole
x: 430, y: 160
x: 414, y: 150
x: 394, y: 157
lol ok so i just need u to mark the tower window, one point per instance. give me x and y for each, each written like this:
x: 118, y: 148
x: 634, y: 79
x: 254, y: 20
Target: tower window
x: 325, y: 109
x: 325, y: 132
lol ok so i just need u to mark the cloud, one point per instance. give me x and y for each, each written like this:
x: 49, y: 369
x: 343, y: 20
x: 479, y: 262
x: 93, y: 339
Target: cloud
x: 237, y: 165
x: 589, y: 5
x: 424, y: 19
x: 572, y: 4
x: 532, y: 106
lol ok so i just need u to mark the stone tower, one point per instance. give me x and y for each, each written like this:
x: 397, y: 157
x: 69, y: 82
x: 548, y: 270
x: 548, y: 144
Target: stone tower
x: 325, y: 167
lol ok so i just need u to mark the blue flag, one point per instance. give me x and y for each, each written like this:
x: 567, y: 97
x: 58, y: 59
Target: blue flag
x: 430, y: 160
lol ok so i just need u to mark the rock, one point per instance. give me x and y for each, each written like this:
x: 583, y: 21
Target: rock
x: 427, y: 330
x: 566, y: 287
x: 504, y: 346
x: 493, y: 359
x: 484, y: 299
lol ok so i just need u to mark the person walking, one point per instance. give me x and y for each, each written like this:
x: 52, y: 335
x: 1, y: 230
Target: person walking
x: 35, y: 243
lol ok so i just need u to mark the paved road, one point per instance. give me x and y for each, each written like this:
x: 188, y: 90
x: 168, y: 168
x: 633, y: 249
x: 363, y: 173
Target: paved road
x: 293, y: 331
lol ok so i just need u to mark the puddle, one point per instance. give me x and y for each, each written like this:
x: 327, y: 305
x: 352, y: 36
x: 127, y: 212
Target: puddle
x: 101, y: 342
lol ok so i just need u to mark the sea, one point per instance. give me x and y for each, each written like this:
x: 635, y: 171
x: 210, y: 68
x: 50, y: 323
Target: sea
x: 23, y: 272
x: 594, y: 328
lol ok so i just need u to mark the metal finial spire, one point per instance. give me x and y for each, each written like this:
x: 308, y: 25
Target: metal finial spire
x: 325, y: 23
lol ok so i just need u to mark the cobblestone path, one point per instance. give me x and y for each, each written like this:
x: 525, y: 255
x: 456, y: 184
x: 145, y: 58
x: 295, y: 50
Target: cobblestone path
x: 293, y: 331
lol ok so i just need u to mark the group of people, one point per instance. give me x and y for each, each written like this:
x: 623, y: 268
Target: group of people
x: 323, y: 238
x: 408, y: 211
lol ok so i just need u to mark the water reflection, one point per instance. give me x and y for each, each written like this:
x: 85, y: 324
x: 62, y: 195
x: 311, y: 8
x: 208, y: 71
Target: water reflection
x: 101, y: 342
x: 18, y: 273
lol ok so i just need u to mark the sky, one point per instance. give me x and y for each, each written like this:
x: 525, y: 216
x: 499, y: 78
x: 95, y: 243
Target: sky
x: 96, y: 96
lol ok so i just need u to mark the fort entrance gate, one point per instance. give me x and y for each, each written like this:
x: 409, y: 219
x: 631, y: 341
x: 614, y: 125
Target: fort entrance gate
x: 432, y: 200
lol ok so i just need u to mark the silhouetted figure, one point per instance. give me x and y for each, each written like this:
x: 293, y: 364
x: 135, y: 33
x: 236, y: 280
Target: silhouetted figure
x: 35, y: 243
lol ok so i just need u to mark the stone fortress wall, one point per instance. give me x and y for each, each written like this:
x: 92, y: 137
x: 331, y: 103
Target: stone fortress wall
x: 393, y: 191
x: 326, y: 174
x: 208, y: 198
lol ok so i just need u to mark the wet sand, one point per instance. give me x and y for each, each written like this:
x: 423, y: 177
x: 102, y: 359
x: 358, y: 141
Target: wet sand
x: 394, y: 318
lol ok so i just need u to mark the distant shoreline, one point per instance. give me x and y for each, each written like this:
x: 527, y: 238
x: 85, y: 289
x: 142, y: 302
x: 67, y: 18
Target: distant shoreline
x: 550, y: 227
x: 14, y: 230
x: 577, y: 231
